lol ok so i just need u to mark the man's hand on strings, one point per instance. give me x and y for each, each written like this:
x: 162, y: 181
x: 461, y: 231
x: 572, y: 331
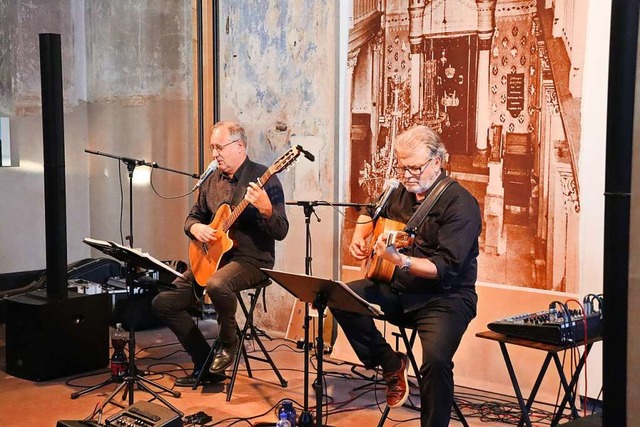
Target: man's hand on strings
x: 386, y: 252
x: 359, y: 248
x: 259, y: 199
x: 203, y: 233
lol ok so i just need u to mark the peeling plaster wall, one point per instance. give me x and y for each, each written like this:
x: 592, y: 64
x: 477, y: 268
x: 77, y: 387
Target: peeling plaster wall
x: 278, y: 64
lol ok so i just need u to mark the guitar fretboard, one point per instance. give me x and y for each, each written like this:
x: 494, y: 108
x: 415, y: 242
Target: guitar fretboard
x: 226, y: 225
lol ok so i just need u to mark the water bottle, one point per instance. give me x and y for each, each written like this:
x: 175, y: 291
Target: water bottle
x: 118, y: 358
x: 283, y: 421
x: 288, y: 409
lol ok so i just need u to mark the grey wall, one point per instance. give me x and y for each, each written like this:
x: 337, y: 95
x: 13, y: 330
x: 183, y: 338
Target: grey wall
x: 127, y: 88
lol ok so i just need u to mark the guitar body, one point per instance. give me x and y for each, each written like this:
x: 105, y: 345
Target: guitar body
x: 205, y: 258
x: 377, y: 268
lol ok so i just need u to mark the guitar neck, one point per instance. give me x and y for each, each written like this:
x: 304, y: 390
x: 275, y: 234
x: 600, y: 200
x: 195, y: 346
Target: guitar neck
x: 243, y: 204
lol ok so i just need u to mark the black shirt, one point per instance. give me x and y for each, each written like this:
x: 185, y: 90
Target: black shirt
x: 253, y: 235
x: 448, y: 237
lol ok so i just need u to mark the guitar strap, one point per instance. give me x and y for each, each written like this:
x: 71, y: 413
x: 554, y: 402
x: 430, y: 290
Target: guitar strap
x: 420, y: 215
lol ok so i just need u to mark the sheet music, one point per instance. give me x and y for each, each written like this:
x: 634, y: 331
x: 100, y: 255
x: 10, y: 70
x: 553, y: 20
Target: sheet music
x: 373, y: 308
x: 110, y: 246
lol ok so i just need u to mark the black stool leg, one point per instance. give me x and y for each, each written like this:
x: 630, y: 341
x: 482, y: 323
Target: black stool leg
x: 459, y: 413
x: 206, y: 365
x: 253, y: 332
x: 408, y: 343
x: 243, y: 333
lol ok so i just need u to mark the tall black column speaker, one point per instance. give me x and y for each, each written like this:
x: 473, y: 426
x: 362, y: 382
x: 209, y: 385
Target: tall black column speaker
x: 53, y: 155
x: 48, y: 339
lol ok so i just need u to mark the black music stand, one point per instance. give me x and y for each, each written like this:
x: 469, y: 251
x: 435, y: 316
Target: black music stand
x: 306, y: 418
x: 133, y: 259
x: 322, y: 293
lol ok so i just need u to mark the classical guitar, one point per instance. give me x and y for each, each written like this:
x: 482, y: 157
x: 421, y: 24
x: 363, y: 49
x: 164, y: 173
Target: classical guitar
x: 205, y: 257
x: 376, y: 267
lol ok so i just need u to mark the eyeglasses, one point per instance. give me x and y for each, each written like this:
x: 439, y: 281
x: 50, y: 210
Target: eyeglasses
x: 413, y: 171
x: 219, y: 147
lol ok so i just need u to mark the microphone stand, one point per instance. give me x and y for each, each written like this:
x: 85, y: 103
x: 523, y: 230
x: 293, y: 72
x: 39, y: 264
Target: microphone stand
x: 132, y: 375
x: 132, y: 163
x: 306, y: 417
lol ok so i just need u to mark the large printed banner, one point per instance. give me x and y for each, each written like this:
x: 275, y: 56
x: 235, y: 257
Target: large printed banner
x: 504, y: 103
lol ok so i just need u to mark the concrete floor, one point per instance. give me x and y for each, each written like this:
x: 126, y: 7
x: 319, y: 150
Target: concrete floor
x: 24, y: 403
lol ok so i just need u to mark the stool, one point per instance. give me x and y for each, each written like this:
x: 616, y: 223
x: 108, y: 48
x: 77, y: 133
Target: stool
x: 408, y: 344
x: 249, y: 330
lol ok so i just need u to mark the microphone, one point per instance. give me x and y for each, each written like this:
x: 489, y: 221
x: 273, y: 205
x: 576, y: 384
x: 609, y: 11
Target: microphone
x: 210, y: 169
x: 391, y: 185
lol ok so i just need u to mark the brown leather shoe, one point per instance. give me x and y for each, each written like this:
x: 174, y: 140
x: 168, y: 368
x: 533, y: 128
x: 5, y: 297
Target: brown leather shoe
x: 207, y: 378
x: 225, y: 355
x: 397, y: 384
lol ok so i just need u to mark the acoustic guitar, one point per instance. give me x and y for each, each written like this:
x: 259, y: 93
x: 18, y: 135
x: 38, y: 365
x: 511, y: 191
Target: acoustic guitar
x: 376, y: 267
x: 205, y: 257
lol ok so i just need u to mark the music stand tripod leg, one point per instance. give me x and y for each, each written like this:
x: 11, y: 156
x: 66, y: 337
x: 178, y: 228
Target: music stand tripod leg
x: 111, y: 396
x: 141, y: 383
x: 320, y: 304
x: 108, y: 381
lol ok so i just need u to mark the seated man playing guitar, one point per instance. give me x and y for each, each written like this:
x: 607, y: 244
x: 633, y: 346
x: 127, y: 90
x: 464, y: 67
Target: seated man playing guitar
x: 431, y: 285
x: 227, y: 249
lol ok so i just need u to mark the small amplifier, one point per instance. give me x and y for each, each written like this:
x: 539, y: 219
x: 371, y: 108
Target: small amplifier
x: 145, y: 414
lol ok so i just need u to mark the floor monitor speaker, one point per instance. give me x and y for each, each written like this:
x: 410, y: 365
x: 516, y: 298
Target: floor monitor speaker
x: 48, y: 338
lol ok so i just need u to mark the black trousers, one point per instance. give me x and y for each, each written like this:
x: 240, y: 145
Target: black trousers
x: 441, y: 322
x: 171, y: 306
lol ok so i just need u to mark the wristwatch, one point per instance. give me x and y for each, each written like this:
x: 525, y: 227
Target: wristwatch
x: 406, y: 263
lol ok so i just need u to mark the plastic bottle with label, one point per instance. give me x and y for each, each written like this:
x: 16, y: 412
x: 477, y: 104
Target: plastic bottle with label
x: 283, y: 421
x: 287, y: 408
x: 118, y: 362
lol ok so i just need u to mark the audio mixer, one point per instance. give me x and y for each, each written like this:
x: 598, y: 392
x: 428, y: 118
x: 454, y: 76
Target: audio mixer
x: 559, y: 327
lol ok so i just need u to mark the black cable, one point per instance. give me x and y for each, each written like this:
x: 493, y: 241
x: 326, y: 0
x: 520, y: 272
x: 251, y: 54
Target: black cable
x: 153, y: 187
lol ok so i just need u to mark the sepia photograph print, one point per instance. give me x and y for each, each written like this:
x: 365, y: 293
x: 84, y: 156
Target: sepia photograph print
x: 500, y: 82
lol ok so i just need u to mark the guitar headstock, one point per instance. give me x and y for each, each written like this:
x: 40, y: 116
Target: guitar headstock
x: 286, y: 160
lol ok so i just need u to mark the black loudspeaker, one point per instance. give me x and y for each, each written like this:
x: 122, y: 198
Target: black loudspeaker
x: 54, y: 166
x: 146, y: 414
x: 52, y: 338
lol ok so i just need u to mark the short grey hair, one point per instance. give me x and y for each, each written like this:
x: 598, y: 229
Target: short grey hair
x: 236, y: 131
x: 419, y: 135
